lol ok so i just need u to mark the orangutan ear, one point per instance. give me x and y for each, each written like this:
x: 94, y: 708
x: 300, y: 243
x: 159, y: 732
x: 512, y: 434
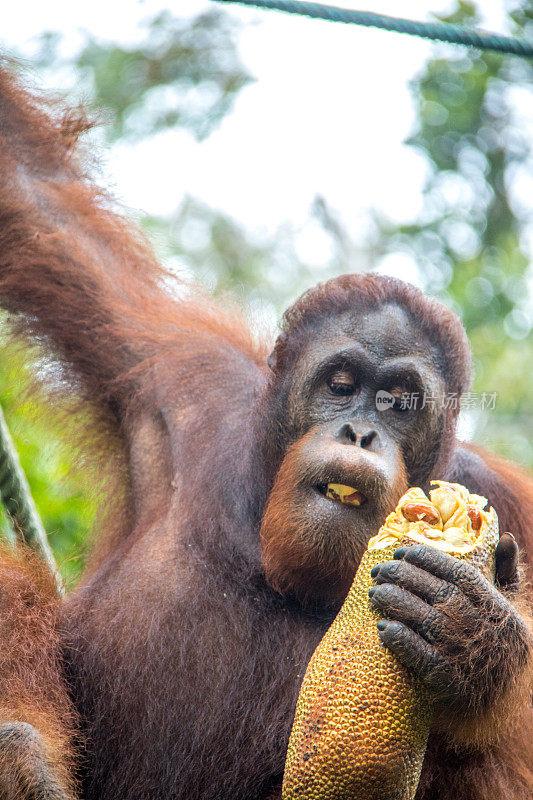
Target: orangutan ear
x: 272, y: 360
x: 274, y: 357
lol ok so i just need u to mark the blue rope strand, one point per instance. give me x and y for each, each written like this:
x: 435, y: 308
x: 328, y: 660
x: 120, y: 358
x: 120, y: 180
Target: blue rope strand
x: 442, y: 31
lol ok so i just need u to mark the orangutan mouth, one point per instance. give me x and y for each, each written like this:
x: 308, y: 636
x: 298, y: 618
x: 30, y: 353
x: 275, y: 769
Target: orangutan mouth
x: 343, y: 494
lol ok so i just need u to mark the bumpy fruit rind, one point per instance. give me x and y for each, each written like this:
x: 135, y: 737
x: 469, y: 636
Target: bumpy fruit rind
x: 362, y: 719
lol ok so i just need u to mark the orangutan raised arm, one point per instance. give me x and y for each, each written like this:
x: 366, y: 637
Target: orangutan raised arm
x: 173, y: 670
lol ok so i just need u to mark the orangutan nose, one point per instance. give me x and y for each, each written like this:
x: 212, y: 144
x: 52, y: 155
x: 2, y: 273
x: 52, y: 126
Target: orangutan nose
x: 348, y: 433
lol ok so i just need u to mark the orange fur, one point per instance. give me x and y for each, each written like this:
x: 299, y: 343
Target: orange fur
x: 183, y: 663
x: 515, y: 504
x: 32, y: 689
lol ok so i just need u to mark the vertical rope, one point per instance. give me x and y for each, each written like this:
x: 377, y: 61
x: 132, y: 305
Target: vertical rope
x: 18, y: 502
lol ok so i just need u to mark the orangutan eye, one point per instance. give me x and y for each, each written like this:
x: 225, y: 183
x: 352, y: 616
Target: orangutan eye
x: 401, y: 399
x: 342, y: 383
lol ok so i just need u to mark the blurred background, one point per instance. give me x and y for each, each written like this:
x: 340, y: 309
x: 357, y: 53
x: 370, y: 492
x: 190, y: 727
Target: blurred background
x: 264, y: 153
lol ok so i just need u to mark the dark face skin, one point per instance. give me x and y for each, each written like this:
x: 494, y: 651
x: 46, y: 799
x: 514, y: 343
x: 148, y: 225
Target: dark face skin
x: 348, y: 439
x: 340, y: 436
x: 354, y: 357
x: 435, y: 610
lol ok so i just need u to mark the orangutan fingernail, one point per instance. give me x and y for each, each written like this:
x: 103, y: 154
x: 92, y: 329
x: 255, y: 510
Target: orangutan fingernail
x: 399, y: 553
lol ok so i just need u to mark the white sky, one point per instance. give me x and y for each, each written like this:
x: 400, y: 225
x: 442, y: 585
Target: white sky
x: 327, y: 115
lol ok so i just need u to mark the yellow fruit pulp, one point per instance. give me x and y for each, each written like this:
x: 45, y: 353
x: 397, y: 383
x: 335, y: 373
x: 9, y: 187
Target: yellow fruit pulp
x: 345, y: 494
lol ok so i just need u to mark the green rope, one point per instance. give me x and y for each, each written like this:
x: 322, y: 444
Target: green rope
x: 442, y: 31
x: 18, y: 502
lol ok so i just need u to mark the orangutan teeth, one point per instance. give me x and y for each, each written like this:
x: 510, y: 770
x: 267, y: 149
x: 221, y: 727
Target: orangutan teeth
x: 344, y: 494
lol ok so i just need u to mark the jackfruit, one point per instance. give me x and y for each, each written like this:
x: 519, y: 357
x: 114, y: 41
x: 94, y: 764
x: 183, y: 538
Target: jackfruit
x: 363, y: 719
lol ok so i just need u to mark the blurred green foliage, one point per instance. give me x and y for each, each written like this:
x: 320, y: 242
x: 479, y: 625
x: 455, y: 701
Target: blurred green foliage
x: 221, y: 254
x: 57, y: 476
x: 185, y: 72
x: 469, y: 243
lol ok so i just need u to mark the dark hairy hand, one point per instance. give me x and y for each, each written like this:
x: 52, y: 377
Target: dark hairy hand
x: 450, y: 625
